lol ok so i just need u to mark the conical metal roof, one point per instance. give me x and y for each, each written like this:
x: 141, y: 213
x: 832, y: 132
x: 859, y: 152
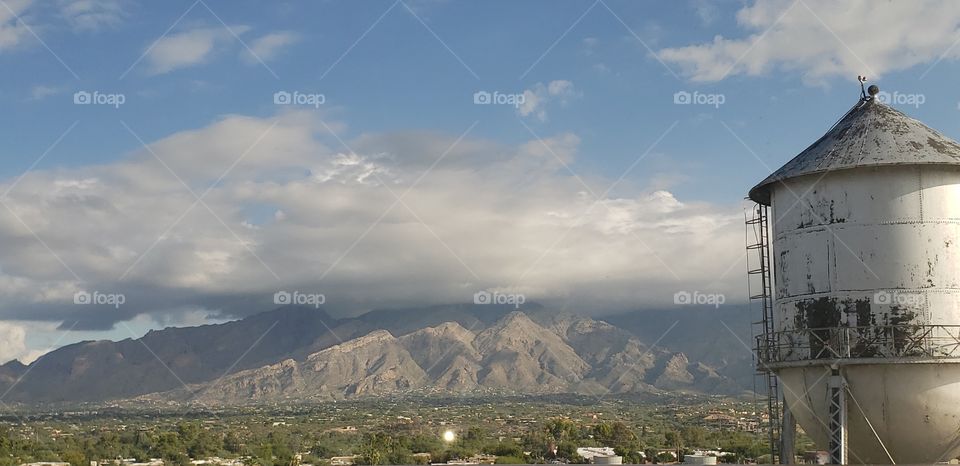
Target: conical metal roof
x: 870, y: 134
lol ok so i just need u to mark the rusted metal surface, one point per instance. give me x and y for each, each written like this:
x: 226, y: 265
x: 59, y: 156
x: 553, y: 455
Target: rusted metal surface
x: 870, y: 134
x: 874, y: 246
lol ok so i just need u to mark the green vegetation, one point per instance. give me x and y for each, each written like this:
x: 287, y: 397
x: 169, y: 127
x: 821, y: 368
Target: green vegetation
x: 518, y: 430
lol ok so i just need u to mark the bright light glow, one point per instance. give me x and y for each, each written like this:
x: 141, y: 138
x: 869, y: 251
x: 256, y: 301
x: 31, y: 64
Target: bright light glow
x: 449, y: 436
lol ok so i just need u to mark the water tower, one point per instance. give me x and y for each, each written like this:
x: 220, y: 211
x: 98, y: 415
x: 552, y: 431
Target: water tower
x: 856, y: 264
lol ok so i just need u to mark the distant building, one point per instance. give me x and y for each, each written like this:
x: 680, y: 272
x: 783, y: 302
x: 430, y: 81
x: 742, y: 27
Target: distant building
x: 343, y: 430
x: 215, y: 461
x: 699, y: 459
x: 47, y: 463
x: 128, y: 462
x: 667, y: 451
x: 588, y: 453
x: 483, y: 459
x: 155, y: 462
x: 612, y: 459
x: 717, y: 453
x: 721, y: 421
x: 342, y: 460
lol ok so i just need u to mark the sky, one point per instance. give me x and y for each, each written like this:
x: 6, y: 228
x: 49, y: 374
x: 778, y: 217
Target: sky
x: 186, y: 162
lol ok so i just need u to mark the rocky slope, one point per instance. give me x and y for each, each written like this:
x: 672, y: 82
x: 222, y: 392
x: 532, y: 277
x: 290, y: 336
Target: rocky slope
x: 514, y: 355
x: 302, y: 353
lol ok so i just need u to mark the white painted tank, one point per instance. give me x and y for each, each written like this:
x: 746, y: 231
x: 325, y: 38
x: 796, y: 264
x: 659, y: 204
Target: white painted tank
x: 866, y: 261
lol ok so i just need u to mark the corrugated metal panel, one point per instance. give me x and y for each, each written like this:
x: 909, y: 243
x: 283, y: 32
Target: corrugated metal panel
x: 870, y: 134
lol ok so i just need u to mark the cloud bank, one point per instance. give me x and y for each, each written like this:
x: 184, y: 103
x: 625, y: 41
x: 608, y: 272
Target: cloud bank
x: 822, y: 38
x: 396, y: 219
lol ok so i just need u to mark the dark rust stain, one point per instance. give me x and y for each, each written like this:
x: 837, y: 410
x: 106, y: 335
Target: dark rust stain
x: 821, y: 314
x: 881, y: 331
x: 862, y: 309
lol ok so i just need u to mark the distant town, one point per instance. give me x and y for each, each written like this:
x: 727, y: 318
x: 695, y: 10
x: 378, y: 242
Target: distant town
x: 510, y: 430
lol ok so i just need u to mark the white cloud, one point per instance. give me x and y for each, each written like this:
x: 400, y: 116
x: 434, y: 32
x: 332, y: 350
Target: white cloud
x: 41, y: 92
x: 188, y: 48
x: 536, y: 99
x: 92, y: 15
x: 12, y: 341
x: 858, y: 37
x: 267, y: 47
x: 589, y: 45
x: 707, y: 11
x: 12, y: 31
x: 511, y: 214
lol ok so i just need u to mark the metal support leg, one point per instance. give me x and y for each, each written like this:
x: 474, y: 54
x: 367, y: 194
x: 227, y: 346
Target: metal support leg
x: 838, y: 419
x: 788, y: 436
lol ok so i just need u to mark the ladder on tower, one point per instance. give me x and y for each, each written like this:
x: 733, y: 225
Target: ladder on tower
x: 760, y: 289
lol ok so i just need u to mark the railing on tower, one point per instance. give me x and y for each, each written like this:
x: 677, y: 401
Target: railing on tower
x: 845, y: 344
x: 760, y: 289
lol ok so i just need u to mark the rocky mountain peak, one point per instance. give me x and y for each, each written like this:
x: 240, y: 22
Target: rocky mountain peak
x: 305, y: 354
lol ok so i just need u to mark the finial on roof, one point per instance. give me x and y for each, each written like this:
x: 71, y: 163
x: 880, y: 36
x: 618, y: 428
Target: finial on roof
x: 863, y: 92
x: 873, y: 90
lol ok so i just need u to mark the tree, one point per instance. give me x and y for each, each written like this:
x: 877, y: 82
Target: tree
x: 507, y: 448
x: 264, y: 455
x: 568, y: 451
x: 665, y: 458
x: 693, y: 436
x: 511, y: 460
x: 232, y: 443
x: 561, y: 429
x: 75, y: 458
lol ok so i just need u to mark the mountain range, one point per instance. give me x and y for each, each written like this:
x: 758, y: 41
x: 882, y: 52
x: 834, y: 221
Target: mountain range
x: 297, y: 353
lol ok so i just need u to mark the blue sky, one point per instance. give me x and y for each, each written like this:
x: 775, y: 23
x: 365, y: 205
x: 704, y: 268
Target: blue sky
x: 399, y: 76
x: 599, y: 82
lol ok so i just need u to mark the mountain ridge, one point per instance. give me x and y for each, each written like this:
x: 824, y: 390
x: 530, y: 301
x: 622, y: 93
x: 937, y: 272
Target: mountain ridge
x: 306, y: 354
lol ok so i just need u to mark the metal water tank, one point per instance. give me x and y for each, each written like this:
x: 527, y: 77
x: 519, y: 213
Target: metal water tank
x: 612, y: 459
x: 699, y: 459
x: 865, y: 233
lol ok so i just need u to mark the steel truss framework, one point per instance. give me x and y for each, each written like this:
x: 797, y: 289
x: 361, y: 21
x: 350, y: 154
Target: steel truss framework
x: 840, y: 345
